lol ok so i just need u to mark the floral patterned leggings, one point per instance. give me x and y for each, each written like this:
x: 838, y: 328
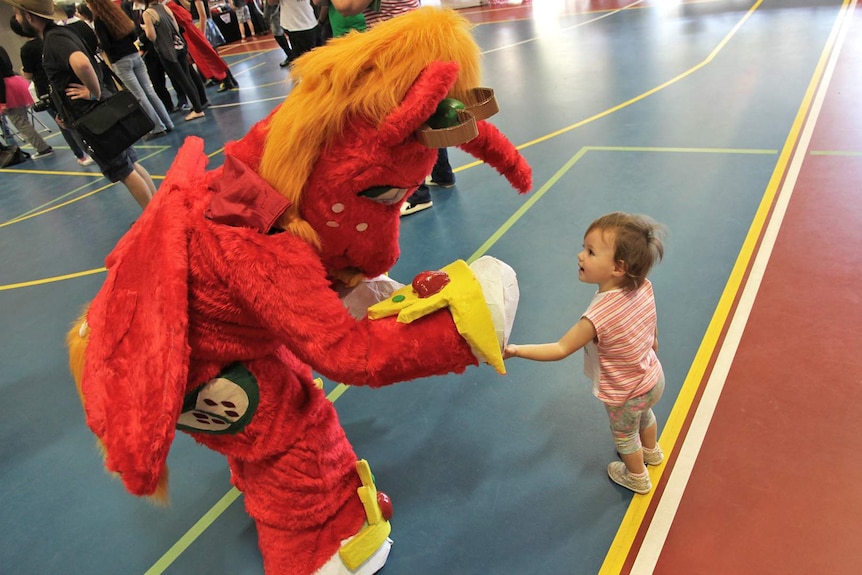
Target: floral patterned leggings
x: 632, y: 417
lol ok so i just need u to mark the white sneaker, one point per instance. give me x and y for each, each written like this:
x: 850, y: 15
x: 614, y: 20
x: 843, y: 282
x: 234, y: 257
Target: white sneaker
x: 85, y: 161
x: 621, y: 476
x: 653, y: 456
x: 408, y: 208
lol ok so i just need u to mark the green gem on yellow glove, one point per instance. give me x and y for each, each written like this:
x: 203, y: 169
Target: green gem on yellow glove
x: 446, y: 115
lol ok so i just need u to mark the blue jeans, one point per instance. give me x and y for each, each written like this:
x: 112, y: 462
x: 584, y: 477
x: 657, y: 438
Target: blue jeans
x: 133, y: 73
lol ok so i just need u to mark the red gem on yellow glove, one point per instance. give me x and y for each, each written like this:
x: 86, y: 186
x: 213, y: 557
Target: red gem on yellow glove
x: 428, y: 283
x: 385, y: 505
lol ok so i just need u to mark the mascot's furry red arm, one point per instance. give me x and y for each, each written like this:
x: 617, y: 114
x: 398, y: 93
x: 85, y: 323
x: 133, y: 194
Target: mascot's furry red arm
x: 222, y: 297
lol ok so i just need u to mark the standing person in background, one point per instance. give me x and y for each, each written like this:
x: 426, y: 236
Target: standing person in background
x: 83, y: 12
x: 163, y: 31
x: 31, y: 69
x: 620, y: 339
x: 272, y: 15
x: 79, y: 27
x: 134, y: 9
x: 300, y: 25
x: 374, y: 13
x: 77, y: 84
x: 340, y: 24
x: 243, y: 18
x: 211, y: 65
x: 116, y: 34
x: 15, y: 102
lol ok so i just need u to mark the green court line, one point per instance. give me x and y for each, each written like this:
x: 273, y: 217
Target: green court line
x: 202, y: 524
x: 210, y: 516
x: 574, y: 159
x: 198, y: 528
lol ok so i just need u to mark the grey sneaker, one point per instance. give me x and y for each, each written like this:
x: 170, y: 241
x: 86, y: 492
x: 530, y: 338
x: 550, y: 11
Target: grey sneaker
x: 620, y: 475
x: 653, y: 456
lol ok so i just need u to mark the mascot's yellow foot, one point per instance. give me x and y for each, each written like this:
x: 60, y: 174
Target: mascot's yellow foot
x: 336, y: 566
x: 366, y: 552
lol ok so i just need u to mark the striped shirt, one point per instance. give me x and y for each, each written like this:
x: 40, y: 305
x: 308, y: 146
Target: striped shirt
x: 388, y: 9
x: 621, y: 360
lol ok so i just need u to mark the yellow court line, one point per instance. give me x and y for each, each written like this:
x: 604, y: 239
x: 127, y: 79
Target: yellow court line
x: 556, y: 177
x: 719, y: 47
x: 606, y: 14
x: 52, y: 279
x: 199, y: 527
x: 633, y: 519
x: 79, y: 198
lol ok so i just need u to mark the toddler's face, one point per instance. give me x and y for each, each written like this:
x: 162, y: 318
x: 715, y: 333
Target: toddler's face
x: 596, y: 261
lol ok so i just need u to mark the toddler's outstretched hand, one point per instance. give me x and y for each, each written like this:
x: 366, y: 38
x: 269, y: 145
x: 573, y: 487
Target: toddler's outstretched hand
x: 510, y: 350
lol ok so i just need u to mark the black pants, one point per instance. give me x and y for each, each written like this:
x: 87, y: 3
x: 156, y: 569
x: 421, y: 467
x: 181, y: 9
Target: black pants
x: 156, y: 72
x: 180, y: 74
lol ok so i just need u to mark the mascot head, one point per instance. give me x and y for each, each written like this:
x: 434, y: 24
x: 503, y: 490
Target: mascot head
x: 344, y: 145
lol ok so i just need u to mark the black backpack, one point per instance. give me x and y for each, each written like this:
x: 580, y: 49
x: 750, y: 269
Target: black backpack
x: 11, y: 155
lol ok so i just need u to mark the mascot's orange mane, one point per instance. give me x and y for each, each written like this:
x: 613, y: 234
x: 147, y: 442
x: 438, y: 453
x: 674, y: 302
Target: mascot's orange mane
x: 386, y: 64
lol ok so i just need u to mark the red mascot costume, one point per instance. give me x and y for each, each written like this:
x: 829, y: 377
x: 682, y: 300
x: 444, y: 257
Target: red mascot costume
x: 224, y: 295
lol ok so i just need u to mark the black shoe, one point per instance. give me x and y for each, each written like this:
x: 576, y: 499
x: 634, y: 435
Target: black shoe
x: 285, y: 63
x: 210, y: 83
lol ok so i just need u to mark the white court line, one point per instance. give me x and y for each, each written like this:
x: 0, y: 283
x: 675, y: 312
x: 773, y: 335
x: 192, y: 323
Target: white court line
x: 660, y: 525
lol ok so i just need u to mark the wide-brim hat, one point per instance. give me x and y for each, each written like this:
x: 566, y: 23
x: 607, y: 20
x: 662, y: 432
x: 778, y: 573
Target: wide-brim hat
x: 43, y: 8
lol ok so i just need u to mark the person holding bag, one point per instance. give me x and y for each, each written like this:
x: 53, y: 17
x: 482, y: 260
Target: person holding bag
x: 116, y: 34
x: 161, y: 28
x: 77, y: 87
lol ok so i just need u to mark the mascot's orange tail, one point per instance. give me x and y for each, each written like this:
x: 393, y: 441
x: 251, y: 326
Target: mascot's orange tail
x: 76, y: 341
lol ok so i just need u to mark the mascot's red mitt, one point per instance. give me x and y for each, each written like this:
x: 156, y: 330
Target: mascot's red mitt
x: 224, y: 295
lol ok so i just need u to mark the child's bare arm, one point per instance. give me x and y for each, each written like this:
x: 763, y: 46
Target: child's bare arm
x: 577, y: 337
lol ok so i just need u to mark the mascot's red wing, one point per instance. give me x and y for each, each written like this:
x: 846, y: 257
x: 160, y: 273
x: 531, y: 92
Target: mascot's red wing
x: 142, y: 312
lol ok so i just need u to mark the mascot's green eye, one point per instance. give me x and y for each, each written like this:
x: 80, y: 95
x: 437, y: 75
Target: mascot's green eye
x: 384, y: 194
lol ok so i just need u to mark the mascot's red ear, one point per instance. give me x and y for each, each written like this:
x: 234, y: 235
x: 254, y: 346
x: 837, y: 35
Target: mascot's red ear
x: 420, y: 103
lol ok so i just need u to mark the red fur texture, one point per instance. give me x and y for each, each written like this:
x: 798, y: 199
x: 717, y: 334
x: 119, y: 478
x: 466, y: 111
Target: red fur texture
x: 187, y: 295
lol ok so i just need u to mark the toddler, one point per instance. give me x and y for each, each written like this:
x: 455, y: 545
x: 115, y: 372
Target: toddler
x: 619, y: 337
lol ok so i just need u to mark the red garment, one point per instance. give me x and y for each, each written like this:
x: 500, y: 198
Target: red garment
x: 205, y: 280
x: 204, y: 55
x: 17, y: 92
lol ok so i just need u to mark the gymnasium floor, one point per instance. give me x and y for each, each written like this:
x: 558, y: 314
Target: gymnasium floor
x: 734, y: 122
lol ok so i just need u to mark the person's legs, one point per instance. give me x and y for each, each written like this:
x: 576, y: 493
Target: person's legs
x: 124, y: 69
x: 138, y: 187
x: 124, y: 168
x: 142, y: 171
x: 301, y: 41
x: 629, y: 423
x: 418, y: 201
x: 156, y: 73
x: 140, y: 72
x: 20, y: 119
x: 199, y: 84
x: 179, y: 76
x: 441, y: 173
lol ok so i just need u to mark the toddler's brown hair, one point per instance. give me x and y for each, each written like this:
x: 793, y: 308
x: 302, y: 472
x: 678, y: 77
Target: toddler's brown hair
x: 637, y: 241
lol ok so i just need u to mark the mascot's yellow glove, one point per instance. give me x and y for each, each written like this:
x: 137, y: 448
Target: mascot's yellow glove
x: 455, y: 287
